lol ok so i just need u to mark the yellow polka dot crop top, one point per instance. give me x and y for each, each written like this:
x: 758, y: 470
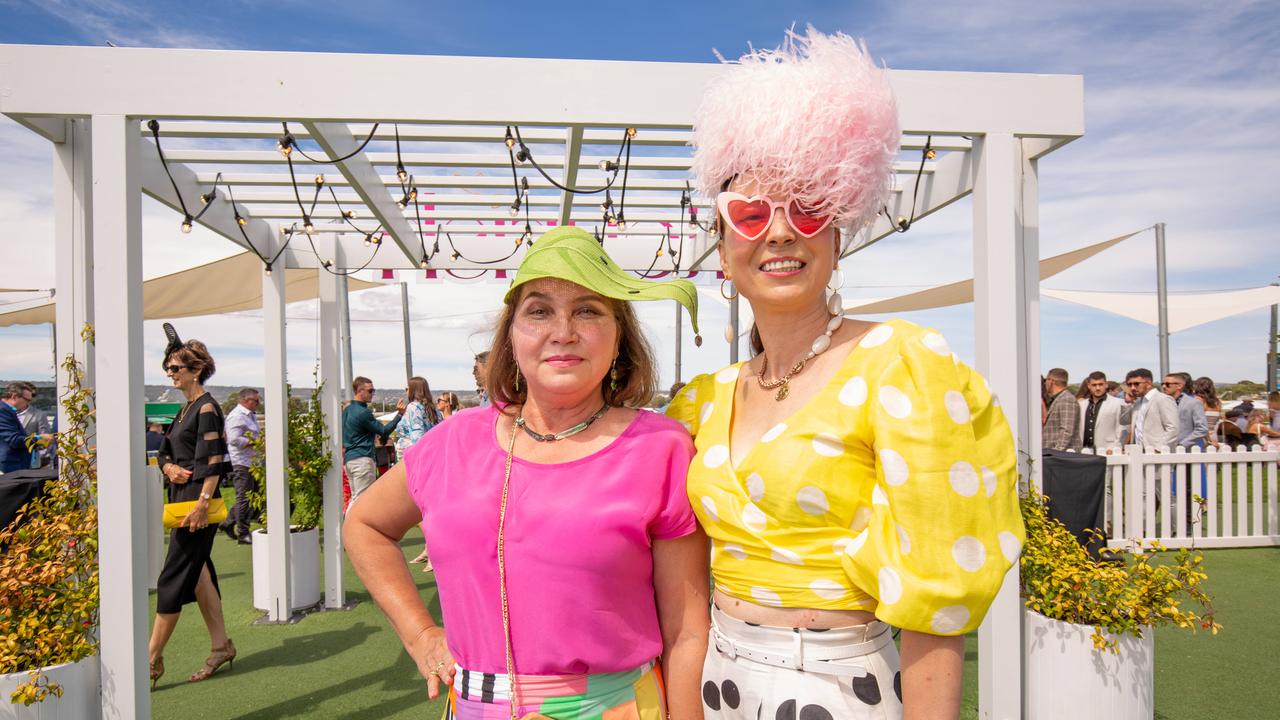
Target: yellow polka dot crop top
x: 892, y: 491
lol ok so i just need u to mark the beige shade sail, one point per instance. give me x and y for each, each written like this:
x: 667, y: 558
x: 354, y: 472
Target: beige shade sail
x: 959, y: 293
x: 222, y: 286
x: 1186, y: 310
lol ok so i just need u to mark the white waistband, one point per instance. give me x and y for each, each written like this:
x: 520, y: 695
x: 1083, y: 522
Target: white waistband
x: 831, y: 652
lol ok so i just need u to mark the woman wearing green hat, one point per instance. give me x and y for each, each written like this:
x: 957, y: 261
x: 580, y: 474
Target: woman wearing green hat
x: 571, y: 569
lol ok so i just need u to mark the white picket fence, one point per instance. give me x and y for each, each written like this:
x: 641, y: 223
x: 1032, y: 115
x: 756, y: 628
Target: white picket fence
x: 1147, y: 496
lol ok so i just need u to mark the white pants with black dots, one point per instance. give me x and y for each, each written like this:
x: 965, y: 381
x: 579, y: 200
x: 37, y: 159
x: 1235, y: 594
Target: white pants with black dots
x: 754, y: 672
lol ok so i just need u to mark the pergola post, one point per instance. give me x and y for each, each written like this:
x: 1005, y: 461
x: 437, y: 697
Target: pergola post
x: 1006, y: 291
x: 73, y: 251
x: 331, y: 399
x: 122, y: 504
x: 277, y: 446
x: 344, y: 333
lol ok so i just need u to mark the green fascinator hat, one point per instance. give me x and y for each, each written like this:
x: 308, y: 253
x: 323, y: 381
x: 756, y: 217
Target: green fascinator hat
x: 573, y: 254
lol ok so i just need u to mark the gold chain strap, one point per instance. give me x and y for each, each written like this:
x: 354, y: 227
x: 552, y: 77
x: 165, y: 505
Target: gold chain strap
x: 502, y: 573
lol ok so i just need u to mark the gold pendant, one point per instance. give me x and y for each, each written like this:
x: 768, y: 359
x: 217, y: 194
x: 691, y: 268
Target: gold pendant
x: 782, y: 393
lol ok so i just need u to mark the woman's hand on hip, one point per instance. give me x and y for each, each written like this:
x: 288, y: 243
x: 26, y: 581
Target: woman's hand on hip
x: 434, y: 660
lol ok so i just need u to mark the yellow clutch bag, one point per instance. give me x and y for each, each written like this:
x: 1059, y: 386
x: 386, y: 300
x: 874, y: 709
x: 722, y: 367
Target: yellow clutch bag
x: 174, y: 513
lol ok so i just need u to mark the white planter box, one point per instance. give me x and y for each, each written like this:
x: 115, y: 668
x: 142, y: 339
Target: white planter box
x: 304, y: 569
x: 81, y: 689
x: 1066, y: 678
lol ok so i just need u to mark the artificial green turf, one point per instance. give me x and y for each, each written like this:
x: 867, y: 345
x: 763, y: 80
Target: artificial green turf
x: 348, y: 664
x: 331, y: 664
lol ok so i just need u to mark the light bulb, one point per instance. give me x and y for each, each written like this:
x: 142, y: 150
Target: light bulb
x: 902, y: 222
x: 631, y: 132
x: 285, y: 145
x: 509, y: 139
x: 622, y: 224
x: 607, y: 166
x: 351, y: 214
x: 604, y: 206
x: 423, y: 264
x: 400, y: 173
x: 206, y: 198
x: 320, y: 179
x: 400, y: 204
x: 268, y: 271
x: 307, y: 227
x: 186, y: 224
x: 930, y: 154
x: 413, y: 194
x: 368, y: 240
x: 456, y: 255
x: 514, y: 210
x: 241, y: 221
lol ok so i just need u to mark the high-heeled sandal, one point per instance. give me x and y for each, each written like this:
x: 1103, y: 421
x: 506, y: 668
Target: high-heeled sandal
x: 157, y: 671
x: 224, y: 655
x: 421, y: 558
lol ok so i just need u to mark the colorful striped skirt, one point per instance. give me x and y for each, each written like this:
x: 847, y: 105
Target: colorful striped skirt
x: 630, y: 695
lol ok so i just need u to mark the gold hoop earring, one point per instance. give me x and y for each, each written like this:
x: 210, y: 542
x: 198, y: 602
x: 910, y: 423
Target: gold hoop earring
x: 725, y: 295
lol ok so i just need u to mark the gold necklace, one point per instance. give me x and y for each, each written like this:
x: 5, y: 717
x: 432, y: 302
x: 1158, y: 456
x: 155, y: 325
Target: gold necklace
x: 819, y: 346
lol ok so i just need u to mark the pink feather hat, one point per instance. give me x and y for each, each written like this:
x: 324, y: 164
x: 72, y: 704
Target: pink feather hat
x: 816, y: 116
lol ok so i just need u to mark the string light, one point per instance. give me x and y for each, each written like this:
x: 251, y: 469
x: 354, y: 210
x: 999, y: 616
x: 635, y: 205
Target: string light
x: 607, y: 165
x: 350, y: 214
x: 930, y: 153
x: 631, y: 132
x: 509, y: 139
x: 267, y: 270
x: 368, y: 240
x: 327, y: 264
x: 240, y: 220
x: 424, y: 264
x: 186, y: 223
x: 400, y: 172
x: 515, y: 208
x: 285, y: 144
x: 208, y: 197
x: 307, y: 227
x: 320, y: 180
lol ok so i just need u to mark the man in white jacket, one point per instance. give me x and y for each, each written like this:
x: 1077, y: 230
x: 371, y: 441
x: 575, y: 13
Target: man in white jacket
x: 1151, y: 415
x: 1100, y: 426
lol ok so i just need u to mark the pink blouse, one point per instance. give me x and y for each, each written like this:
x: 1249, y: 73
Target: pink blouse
x: 579, y: 542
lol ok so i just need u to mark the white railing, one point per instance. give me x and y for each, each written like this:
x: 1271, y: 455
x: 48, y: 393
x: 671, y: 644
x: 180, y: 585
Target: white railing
x: 1147, y: 496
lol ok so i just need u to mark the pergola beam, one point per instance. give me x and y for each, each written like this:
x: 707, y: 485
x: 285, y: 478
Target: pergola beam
x: 337, y: 141
x: 219, y: 218
x: 572, y: 159
x: 951, y: 180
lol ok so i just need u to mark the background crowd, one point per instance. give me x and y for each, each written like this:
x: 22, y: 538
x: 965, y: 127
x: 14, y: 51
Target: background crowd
x: 1102, y: 414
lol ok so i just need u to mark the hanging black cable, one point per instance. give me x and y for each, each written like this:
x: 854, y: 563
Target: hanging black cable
x: 327, y: 265
x: 288, y: 141
x: 901, y: 224
x: 524, y: 154
x: 458, y: 253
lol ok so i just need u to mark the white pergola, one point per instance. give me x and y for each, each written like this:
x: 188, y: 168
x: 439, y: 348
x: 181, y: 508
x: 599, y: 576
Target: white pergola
x: 220, y: 112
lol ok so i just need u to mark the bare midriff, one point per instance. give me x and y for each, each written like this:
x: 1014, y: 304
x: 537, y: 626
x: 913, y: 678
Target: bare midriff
x: 810, y: 618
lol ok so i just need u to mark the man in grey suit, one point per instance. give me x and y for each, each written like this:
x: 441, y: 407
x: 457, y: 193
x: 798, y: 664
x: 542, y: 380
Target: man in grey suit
x: 1151, y: 415
x: 1192, y: 425
x: 1063, y: 420
x: 1100, y: 415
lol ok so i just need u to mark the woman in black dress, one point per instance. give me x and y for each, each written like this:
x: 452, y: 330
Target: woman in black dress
x: 193, y: 459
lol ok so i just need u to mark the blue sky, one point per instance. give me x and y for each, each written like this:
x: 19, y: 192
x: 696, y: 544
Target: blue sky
x: 1181, y: 107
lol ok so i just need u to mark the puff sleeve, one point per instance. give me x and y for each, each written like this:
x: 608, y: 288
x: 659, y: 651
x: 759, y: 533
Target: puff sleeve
x: 945, y: 525
x: 687, y: 406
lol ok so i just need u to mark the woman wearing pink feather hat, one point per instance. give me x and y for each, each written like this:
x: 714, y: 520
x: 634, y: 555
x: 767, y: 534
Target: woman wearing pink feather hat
x: 853, y: 476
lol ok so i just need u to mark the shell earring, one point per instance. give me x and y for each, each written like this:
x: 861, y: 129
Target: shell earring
x: 835, y: 303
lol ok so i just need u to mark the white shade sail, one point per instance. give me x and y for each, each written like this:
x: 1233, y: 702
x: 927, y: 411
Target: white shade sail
x: 959, y: 293
x: 236, y: 284
x: 1186, y: 310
